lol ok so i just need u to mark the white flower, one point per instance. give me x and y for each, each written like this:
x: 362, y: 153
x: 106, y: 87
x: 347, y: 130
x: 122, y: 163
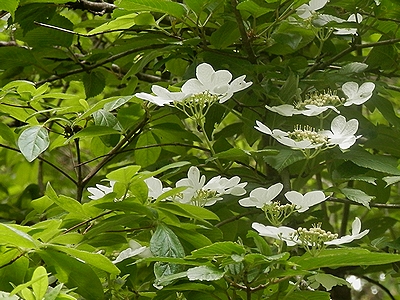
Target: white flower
x: 304, y: 202
x: 200, y: 193
x: 345, y: 31
x: 155, y: 187
x: 342, y: 132
x: 307, y: 10
x: 302, y: 139
x: 357, y: 95
x: 100, y: 190
x: 282, y: 233
x: 214, y: 82
x: 162, y: 96
x: 260, y: 197
x: 355, y: 234
x: 135, y: 249
x: 288, y: 110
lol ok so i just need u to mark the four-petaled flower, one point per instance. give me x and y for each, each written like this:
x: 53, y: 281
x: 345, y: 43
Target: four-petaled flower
x: 155, y: 187
x: 357, y: 95
x: 355, y: 234
x: 214, y: 82
x: 356, y: 18
x: 100, y: 190
x: 342, y: 132
x: 162, y: 96
x: 135, y: 249
x: 304, y: 202
x: 282, y: 233
x: 307, y: 10
x: 260, y: 197
x: 200, y: 193
x: 298, y: 139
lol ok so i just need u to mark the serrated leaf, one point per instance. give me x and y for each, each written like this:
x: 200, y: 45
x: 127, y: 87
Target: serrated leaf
x: 225, y: 35
x: 125, y: 174
x: 13, y: 236
x: 334, y: 258
x: 9, y: 6
x: 117, y: 103
x: 328, y: 281
x: 354, y: 67
x: 165, y: 243
x: 33, y: 141
x: 120, y: 23
x: 94, y: 83
x: 103, y: 117
x: 253, y: 8
x: 204, y: 273
x: 284, y: 158
x: 218, y: 249
x: 163, y: 6
x: 391, y: 180
x: 357, y: 196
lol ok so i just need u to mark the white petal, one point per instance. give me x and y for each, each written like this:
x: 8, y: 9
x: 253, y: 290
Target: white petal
x: 356, y: 226
x: 350, y: 89
x: 193, y: 86
x: 286, y: 110
x: 204, y: 73
x: 338, y: 124
x: 263, y: 128
x: 317, y: 4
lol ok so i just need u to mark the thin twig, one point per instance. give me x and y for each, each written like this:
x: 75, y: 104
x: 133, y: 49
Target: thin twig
x: 44, y: 160
x: 87, y: 221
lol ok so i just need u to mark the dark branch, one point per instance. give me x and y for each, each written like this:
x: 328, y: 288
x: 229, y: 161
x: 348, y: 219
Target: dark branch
x: 96, y: 8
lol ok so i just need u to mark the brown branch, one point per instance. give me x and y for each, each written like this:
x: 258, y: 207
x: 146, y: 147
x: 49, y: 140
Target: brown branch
x: 114, y: 151
x: 87, y: 221
x: 96, y: 8
x: 13, y: 260
x: 99, y: 64
x: 377, y: 205
x: 44, y: 160
x: 352, y: 48
x: 245, y: 39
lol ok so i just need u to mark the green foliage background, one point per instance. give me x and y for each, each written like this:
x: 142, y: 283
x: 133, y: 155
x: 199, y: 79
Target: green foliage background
x: 68, y: 74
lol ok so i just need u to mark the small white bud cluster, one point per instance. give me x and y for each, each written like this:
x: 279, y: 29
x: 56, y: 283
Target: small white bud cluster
x: 276, y: 212
x: 317, y: 99
x: 196, y: 105
x: 313, y: 240
x: 307, y: 133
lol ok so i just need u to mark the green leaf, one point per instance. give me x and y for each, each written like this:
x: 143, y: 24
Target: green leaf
x: 225, y: 35
x: 290, y: 88
x: 375, y: 162
x: 74, y: 274
x: 70, y: 205
x: 93, y: 131
x: 187, y: 210
x: 109, y: 106
x: 328, y: 281
x: 218, y: 249
x: 149, y: 155
x: 33, y: 141
x: 206, y: 273
x: 308, y: 295
x: 165, y: 243
x: 9, y: 6
x: 284, y: 158
x: 95, y: 259
x: 120, y: 23
x: 7, y: 134
x: 253, y: 8
x: 391, y: 180
x: 163, y: 6
x: 94, y: 83
x: 11, y: 235
x: 124, y: 175
x: 357, y: 196
x: 103, y: 117
x: 354, y: 67
x: 40, y: 282
x: 334, y: 258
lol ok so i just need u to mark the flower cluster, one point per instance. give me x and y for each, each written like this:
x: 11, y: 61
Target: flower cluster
x: 314, y: 239
x: 209, y: 85
x: 317, y: 103
x: 276, y: 212
x: 342, y: 134
x: 200, y: 193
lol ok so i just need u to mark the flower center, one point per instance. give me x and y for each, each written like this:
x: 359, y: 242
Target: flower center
x: 315, y: 236
x: 317, y: 99
x: 307, y: 133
